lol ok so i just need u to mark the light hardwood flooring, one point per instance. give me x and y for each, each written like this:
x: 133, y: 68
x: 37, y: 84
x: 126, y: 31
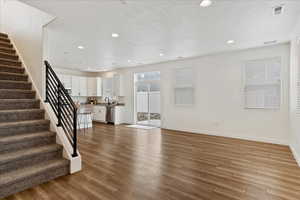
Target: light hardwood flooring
x: 121, y: 163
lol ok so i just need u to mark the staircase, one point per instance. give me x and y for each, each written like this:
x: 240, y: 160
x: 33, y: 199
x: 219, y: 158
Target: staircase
x: 29, y: 154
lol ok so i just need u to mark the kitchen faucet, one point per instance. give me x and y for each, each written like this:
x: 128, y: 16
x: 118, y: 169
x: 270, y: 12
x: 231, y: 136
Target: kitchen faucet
x: 107, y: 98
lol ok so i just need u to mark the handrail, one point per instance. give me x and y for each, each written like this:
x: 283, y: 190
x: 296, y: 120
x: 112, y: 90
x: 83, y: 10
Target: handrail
x: 62, y: 105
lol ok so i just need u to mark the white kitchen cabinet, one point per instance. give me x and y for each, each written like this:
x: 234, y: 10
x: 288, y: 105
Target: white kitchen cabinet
x: 91, y: 86
x: 107, y: 87
x: 119, y: 115
x: 75, y: 86
x: 79, y: 86
x: 83, y: 86
x: 99, y: 113
x: 118, y: 85
x: 94, y: 86
x: 99, y: 87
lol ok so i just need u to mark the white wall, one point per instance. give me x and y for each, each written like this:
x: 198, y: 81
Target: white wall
x: 24, y: 24
x: 219, y: 97
x: 294, y: 74
x: 1, y: 13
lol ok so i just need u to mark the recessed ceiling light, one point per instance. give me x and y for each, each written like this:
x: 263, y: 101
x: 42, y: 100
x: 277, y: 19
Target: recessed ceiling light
x: 205, y: 3
x: 114, y: 35
x: 129, y: 61
x: 230, y: 42
x: 80, y: 47
x: 161, y: 54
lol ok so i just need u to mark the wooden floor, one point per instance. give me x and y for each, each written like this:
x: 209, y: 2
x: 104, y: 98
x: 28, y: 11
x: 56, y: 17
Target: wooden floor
x: 123, y: 163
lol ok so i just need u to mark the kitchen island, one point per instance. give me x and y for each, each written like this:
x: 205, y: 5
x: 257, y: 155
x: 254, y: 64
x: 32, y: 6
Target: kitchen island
x: 98, y: 113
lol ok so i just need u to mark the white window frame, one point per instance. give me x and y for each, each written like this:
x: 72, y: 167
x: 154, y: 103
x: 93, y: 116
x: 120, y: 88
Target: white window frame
x: 262, y: 85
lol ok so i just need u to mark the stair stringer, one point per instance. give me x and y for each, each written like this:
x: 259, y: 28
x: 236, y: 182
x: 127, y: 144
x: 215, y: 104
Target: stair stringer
x: 61, y: 138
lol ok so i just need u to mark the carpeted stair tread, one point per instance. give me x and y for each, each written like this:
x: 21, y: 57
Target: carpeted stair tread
x: 3, y: 35
x: 16, y: 94
x: 13, y: 76
x: 5, y: 44
x: 21, y: 115
x: 7, y: 50
x: 24, y: 137
x: 35, y: 169
x: 12, y: 69
x: 11, y: 56
x: 17, y: 155
x: 12, y: 104
x: 4, y: 39
x: 20, y: 127
x: 5, y: 61
x: 23, y: 123
x: 22, y: 110
x: 12, y: 84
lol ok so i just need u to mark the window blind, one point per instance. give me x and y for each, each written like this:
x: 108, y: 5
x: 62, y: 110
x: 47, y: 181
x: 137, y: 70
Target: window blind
x: 184, y: 91
x: 263, y: 83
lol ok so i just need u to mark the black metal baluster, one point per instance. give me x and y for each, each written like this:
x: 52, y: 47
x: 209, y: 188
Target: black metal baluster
x: 62, y: 105
x: 75, y: 133
x: 47, y: 84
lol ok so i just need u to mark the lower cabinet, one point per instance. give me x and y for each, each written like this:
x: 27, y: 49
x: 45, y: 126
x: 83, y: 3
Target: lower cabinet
x: 99, y: 114
x: 119, y: 115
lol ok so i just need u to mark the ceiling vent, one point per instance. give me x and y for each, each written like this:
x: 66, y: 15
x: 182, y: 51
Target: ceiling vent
x: 278, y: 10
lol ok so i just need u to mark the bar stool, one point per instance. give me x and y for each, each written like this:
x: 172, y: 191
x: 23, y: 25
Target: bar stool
x: 84, y: 117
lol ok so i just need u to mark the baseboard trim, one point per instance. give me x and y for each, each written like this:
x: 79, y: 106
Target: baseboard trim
x: 215, y: 133
x: 295, y: 154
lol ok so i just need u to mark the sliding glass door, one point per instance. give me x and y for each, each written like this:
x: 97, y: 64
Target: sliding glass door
x: 147, y: 99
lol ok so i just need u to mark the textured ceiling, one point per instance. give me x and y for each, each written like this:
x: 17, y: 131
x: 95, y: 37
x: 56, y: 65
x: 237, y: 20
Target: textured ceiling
x: 176, y: 28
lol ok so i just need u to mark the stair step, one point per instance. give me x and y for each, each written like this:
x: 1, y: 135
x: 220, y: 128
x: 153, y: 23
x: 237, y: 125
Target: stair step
x: 13, y: 104
x: 21, y: 115
x: 6, y: 45
x: 4, y: 39
x: 12, y: 69
x: 11, y: 56
x: 26, y: 157
x: 16, y: 94
x: 30, y: 126
x: 10, y: 62
x: 19, y: 180
x: 25, y: 141
x: 13, y: 76
x: 7, y: 50
x: 7, y: 84
x: 4, y: 35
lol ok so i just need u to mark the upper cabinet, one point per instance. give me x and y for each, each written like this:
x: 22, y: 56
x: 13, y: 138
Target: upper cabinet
x: 107, y: 87
x: 83, y: 86
x: 75, y: 86
x: 118, y: 85
x: 94, y: 86
x: 113, y: 86
x: 79, y: 86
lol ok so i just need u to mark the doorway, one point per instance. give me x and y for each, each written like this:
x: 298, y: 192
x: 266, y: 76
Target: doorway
x: 147, y: 99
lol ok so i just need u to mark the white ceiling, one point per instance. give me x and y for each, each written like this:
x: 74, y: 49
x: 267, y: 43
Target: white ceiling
x: 178, y: 28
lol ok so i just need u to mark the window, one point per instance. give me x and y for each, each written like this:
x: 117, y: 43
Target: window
x: 184, y: 86
x: 263, y: 83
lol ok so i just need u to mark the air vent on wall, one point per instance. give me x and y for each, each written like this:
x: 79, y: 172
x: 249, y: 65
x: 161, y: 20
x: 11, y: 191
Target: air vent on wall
x: 278, y: 10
